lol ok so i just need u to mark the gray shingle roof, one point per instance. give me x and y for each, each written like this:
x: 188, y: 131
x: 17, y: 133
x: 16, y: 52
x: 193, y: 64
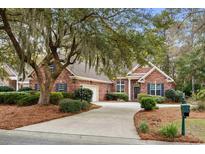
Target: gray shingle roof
x: 80, y: 69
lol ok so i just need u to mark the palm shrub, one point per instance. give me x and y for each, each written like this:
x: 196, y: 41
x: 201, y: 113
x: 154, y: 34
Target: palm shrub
x: 169, y: 131
x: 148, y: 103
x: 143, y: 127
x: 87, y: 94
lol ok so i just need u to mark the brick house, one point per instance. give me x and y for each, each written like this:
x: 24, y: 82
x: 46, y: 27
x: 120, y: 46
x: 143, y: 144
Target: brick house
x: 141, y: 79
x: 12, y: 79
x: 75, y: 76
x: 147, y: 79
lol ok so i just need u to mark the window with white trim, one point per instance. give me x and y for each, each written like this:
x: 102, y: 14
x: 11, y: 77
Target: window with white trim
x: 120, y: 86
x: 156, y: 89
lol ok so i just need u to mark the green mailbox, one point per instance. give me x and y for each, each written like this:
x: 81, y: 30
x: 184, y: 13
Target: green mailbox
x: 185, y: 109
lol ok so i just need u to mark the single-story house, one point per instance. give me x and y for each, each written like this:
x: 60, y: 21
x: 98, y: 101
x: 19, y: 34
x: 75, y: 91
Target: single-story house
x: 12, y: 78
x: 147, y: 79
x: 140, y: 79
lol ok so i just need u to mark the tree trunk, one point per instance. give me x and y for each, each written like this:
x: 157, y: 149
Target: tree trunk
x: 45, y: 90
x: 44, y: 97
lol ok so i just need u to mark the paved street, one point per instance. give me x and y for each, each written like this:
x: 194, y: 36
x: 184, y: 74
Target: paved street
x: 41, y: 138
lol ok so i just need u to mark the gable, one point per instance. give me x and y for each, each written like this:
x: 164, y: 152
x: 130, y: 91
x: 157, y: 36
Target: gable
x: 142, y: 69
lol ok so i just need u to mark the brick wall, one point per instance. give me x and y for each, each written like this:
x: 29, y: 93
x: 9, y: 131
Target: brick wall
x: 64, y: 77
x: 159, y: 78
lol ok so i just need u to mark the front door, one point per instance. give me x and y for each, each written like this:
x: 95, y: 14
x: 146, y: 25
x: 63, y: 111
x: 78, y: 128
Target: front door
x: 136, y: 92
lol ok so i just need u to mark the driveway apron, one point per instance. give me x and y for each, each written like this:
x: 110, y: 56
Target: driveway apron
x: 111, y: 120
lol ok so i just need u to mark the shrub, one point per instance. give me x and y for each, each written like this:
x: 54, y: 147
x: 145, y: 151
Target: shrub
x: 87, y: 94
x: 143, y: 127
x: 85, y: 105
x: 141, y: 95
x: 201, y: 95
x: 68, y: 95
x: 28, y: 100
x: 55, y: 97
x: 25, y: 89
x: 169, y: 131
x: 117, y: 96
x: 11, y: 97
x: 158, y: 99
x: 69, y: 105
x: 6, y: 89
x: 173, y: 95
x: 148, y: 103
x: 170, y: 94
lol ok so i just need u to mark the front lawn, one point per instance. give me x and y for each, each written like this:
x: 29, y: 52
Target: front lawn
x: 12, y: 116
x: 157, y: 118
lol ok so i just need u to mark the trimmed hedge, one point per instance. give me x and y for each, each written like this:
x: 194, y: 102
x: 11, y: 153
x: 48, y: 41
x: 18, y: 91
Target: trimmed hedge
x: 148, y: 103
x: 11, y: 97
x: 87, y: 94
x: 6, y: 89
x: 158, y: 99
x: 25, y: 89
x: 69, y: 105
x: 28, y: 100
x: 117, y: 96
x: 55, y: 97
x: 68, y: 95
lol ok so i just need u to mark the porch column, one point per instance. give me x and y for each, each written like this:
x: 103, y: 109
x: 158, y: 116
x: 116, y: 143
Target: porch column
x: 129, y: 89
x: 17, y: 83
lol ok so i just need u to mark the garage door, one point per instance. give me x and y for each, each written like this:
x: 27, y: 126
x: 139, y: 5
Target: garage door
x: 95, y: 90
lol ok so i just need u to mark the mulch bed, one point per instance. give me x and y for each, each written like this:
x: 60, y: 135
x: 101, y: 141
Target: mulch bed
x: 12, y: 117
x: 158, y: 118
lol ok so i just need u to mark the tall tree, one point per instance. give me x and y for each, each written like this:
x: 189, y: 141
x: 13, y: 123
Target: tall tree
x: 108, y: 39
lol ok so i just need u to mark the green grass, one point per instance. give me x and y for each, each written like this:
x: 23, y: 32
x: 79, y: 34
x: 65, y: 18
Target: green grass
x: 195, y: 127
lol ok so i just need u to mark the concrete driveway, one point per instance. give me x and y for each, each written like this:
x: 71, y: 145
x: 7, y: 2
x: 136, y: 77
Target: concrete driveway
x: 111, y: 120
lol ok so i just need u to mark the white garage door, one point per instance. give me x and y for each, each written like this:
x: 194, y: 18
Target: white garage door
x: 95, y: 90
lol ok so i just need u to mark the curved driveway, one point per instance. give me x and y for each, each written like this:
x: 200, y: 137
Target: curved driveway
x: 111, y: 120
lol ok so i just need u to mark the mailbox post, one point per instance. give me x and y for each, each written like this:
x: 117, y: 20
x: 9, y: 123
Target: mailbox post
x: 81, y: 93
x: 185, y: 110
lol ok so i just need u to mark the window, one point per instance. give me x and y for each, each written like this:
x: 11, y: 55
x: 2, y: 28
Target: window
x: 61, y: 87
x: 37, y: 87
x: 120, y: 86
x: 152, y: 89
x: 52, y: 68
x: 155, y: 89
